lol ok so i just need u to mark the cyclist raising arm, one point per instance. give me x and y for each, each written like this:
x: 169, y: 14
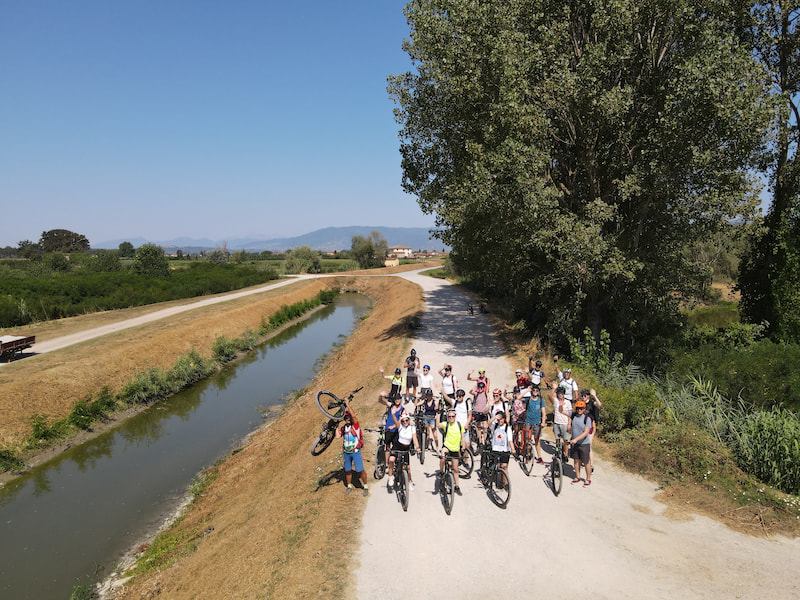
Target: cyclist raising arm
x: 352, y: 438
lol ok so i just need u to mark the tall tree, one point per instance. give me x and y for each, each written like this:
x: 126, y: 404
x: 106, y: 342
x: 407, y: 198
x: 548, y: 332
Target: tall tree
x: 151, y: 260
x: 63, y: 240
x: 126, y: 250
x: 570, y: 150
x: 770, y: 272
x: 369, y: 251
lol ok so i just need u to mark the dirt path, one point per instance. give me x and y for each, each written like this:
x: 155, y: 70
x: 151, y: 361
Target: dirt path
x: 612, y: 540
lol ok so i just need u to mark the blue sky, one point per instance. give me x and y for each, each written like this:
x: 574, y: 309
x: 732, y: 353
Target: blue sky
x: 163, y: 118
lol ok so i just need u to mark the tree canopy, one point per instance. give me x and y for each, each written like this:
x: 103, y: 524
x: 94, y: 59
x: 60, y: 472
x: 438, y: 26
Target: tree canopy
x: 571, y: 150
x: 151, y: 260
x: 369, y: 251
x: 63, y: 240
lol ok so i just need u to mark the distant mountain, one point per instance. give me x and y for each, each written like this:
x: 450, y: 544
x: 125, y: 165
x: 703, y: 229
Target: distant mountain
x: 328, y: 239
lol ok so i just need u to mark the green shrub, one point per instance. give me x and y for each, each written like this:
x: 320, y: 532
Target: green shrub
x: 9, y: 461
x: 766, y: 374
x: 769, y: 447
x: 44, y: 432
x: 631, y: 407
x: 223, y: 349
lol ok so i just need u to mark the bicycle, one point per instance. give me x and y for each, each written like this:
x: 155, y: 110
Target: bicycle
x: 525, y: 446
x: 333, y: 408
x: 422, y: 432
x: 557, y: 467
x: 380, y: 454
x: 447, y: 485
x: 494, y: 477
x: 401, y: 476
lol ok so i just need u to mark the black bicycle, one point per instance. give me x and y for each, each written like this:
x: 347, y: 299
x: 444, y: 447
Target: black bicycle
x: 401, y: 477
x: 447, y: 485
x: 380, y: 454
x: 494, y: 477
x: 422, y: 432
x: 525, y: 445
x: 557, y: 466
x: 334, y: 408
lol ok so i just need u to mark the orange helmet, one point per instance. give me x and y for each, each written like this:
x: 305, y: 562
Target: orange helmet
x: 580, y: 404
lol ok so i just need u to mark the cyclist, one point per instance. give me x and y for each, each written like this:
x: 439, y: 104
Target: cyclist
x: 537, y: 374
x: 406, y: 434
x: 497, y: 403
x: 352, y: 441
x: 462, y: 408
x: 449, y: 383
x: 425, y: 381
x: 561, y: 419
x: 535, y: 418
x: 569, y: 384
x: 502, y: 439
x: 581, y: 443
x: 593, y: 405
x: 430, y: 407
x: 394, y: 409
x: 453, y: 442
x: 480, y: 409
x: 412, y: 370
x: 524, y: 384
x: 480, y: 378
x: 397, y: 382
x: 517, y: 412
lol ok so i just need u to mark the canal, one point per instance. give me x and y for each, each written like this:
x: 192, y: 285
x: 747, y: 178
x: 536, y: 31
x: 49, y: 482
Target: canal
x: 67, y: 522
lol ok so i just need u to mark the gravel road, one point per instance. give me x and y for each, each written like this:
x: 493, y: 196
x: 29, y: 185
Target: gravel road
x: 611, y: 540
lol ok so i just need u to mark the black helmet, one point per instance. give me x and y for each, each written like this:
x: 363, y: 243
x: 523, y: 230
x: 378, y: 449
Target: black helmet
x: 460, y: 393
x: 397, y: 371
x: 413, y: 352
x: 429, y: 392
x: 538, y: 363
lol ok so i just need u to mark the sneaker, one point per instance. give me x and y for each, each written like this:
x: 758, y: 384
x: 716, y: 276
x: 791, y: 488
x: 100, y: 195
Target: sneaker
x: 587, y: 483
x: 411, y: 485
x: 458, y: 490
x: 539, y: 460
x: 349, y: 489
x: 577, y: 480
x: 391, y: 480
x: 366, y: 491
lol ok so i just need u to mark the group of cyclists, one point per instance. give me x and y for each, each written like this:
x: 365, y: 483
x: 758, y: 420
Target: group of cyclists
x: 507, y: 420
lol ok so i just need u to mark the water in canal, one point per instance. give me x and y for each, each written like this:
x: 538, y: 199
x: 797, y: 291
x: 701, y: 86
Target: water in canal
x: 66, y: 522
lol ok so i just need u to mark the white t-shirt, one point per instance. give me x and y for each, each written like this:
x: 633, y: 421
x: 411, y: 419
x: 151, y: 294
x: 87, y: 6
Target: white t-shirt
x: 570, y: 386
x: 462, y: 413
x: 405, y: 435
x: 425, y: 381
x: 559, y: 418
x: 501, y: 438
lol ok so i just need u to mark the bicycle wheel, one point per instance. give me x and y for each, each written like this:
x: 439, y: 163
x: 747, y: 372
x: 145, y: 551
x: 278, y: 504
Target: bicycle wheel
x: 380, y: 461
x: 403, y: 490
x: 466, y: 463
x: 447, y: 490
x: 323, y: 441
x: 423, y: 440
x: 526, y: 460
x: 330, y: 405
x: 499, y: 487
x: 556, y: 474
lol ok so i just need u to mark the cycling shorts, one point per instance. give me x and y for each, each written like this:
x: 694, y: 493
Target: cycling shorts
x: 479, y: 417
x: 398, y: 447
x: 389, y: 437
x: 502, y: 457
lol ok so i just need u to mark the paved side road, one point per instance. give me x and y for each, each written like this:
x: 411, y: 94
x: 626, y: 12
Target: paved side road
x: 611, y: 540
